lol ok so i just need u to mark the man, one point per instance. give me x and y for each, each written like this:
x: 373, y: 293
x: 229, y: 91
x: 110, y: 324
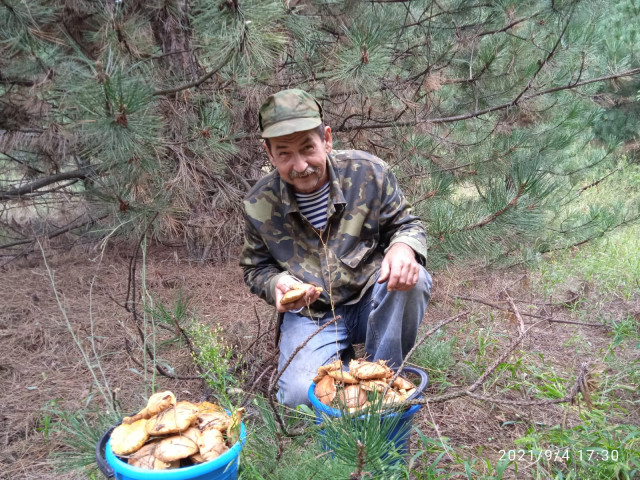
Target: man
x: 338, y: 220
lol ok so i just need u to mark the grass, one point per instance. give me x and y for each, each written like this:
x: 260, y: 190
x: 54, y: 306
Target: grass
x: 594, y: 449
x: 78, y: 433
x: 434, y: 356
x: 611, y: 265
x: 604, y: 443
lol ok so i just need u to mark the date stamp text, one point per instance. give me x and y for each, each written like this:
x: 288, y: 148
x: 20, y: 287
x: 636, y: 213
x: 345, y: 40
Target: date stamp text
x: 560, y: 454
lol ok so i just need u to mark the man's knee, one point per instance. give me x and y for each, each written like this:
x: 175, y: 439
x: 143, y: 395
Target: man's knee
x: 423, y: 287
x: 294, y: 394
x: 425, y: 277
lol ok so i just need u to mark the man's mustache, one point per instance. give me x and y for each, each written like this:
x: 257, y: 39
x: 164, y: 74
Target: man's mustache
x: 308, y: 171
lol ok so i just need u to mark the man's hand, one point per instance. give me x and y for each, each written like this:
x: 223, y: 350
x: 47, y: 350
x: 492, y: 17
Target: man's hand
x: 399, y: 267
x: 285, y: 284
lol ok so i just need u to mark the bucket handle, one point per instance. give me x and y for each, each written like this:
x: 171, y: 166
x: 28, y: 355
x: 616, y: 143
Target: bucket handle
x: 103, y: 465
x: 424, y: 381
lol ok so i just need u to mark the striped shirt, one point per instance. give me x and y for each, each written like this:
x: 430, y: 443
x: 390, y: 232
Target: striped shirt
x: 313, y: 206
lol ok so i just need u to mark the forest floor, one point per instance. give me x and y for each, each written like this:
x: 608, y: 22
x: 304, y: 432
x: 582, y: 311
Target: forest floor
x: 42, y: 367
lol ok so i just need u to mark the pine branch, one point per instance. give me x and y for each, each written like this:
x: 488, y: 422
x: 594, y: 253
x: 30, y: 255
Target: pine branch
x: 467, y: 116
x: 569, y: 86
x: 31, y: 188
x: 199, y: 81
x: 56, y: 233
x: 600, y: 234
x: 509, y: 26
x: 544, y: 62
x: 597, y: 181
x: 491, y: 218
x: 24, y: 164
x: 485, y: 221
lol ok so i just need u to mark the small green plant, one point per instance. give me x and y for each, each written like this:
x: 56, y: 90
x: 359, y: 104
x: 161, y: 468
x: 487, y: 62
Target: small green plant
x: 434, y: 356
x: 544, y: 382
x: 268, y: 455
x: 372, y: 445
x: 426, y: 462
x: 624, y: 329
x: 172, y: 320
x: 213, y: 357
x: 79, y: 433
x: 44, y: 426
x: 486, y: 341
x: 594, y: 449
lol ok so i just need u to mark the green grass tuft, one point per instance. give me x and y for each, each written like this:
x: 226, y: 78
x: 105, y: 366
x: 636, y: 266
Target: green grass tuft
x: 610, y: 264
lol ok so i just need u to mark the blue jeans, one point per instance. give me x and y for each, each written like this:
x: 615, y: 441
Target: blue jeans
x: 387, y: 323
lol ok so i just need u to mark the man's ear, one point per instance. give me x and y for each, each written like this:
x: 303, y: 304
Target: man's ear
x: 266, y: 149
x: 328, y: 139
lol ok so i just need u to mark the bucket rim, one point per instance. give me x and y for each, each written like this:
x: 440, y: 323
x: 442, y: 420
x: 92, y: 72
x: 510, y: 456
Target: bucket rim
x: 193, y: 471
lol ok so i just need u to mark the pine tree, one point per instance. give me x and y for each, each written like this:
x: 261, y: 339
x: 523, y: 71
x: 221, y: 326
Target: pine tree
x: 123, y: 116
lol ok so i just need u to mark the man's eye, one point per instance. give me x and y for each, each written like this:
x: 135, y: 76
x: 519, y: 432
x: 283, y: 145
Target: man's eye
x: 308, y: 148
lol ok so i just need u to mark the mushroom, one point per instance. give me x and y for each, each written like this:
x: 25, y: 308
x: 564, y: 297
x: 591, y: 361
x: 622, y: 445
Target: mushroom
x: 352, y: 396
x: 326, y: 390
x: 173, y: 420
x: 157, y: 403
x: 369, y: 370
x: 127, y: 438
x: 178, y: 446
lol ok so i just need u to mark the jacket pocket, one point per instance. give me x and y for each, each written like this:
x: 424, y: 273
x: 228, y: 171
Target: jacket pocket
x: 359, y: 254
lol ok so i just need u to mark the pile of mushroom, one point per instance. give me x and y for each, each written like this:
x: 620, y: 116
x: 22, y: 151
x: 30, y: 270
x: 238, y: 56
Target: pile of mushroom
x: 357, y: 387
x: 168, y: 434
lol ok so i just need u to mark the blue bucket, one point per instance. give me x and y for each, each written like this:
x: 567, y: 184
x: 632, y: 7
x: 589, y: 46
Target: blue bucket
x: 225, y: 467
x: 399, y: 435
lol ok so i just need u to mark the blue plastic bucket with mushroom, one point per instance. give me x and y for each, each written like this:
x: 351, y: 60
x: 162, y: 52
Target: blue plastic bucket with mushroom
x: 398, y: 423
x: 224, y: 467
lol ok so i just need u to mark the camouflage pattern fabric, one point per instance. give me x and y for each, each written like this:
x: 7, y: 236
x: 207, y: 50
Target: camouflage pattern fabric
x: 287, y: 112
x: 367, y: 213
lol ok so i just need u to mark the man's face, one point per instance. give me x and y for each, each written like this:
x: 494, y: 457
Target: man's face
x: 301, y: 158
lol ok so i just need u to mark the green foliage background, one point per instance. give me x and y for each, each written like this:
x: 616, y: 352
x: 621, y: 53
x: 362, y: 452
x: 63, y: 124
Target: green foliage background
x: 496, y: 116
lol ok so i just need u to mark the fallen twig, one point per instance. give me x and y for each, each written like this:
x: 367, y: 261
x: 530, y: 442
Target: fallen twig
x: 516, y: 312
x: 258, y: 335
x: 560, y: 303
x: 255, y: 383
x: 579, y: 386
x: 532, y: 315
x: 500, y: 359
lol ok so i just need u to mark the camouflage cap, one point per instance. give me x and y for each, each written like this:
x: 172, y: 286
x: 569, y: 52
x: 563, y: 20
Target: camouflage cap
x: 287, y: 112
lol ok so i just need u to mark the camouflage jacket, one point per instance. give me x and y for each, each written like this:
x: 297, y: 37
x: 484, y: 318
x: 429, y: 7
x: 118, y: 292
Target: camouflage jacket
x: 367, y: 213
